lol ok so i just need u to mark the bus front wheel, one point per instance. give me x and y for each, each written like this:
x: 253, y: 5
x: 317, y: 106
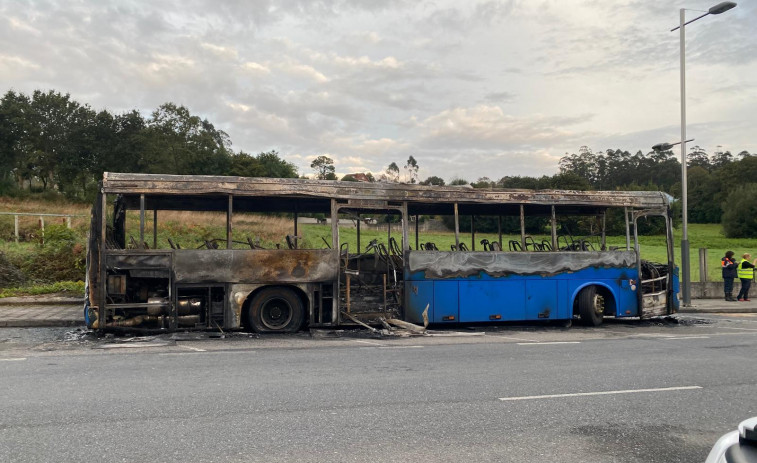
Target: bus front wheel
x: 275, y: 310
x: 590, y: 306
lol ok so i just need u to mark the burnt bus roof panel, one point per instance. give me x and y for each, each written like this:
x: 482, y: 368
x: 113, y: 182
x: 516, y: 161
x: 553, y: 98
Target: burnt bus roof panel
x: 311, y: 193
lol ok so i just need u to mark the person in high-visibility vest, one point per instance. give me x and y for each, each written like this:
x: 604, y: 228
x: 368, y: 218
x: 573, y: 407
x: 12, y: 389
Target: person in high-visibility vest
x: 746, y: 274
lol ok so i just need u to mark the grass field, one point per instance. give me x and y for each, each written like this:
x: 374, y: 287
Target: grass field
x: 191, y: 230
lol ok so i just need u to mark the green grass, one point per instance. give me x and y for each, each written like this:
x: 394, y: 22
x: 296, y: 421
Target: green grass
x: 72, y: 288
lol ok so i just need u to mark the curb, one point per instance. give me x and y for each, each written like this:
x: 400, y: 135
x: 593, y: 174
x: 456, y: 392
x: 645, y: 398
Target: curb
x: 718, y: 310
x: 16, y: 301
x: 20, y: 323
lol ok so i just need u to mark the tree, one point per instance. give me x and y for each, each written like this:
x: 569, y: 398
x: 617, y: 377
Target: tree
x: 14, y: 143
x: 274, y: 166
x: 391, y: 174
x: 484, y: 182
x: 721, y: 158
x: 698, y: 157
x: 180, y: 143
x: 433, y: 180
x: 740, y: 212
x: 411, y: 170
x: 324, y: 168
x: 703, y: 189
x: 459, y: 182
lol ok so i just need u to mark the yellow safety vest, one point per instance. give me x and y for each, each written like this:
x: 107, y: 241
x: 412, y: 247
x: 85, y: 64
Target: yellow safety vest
x: 746, y: 273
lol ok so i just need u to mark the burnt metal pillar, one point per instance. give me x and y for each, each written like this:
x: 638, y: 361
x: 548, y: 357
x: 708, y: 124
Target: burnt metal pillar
x: 604, y: 230
x: 141, y: 220
x: 499, y: 230
x: 522, y: 228
x: 457, y: 229
x: 358, y: 235
x: 628, y: 229
x: 416, y: 232
x: 554, y: 229
x: 101, y: 255
x: 154, y: 228
x: 472, y: 233
x: 229, y: 218
x: 405, y: 227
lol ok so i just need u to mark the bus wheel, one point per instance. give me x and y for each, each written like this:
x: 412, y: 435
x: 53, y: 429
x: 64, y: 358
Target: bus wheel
x: 590, y: 306
x: 275, y: 310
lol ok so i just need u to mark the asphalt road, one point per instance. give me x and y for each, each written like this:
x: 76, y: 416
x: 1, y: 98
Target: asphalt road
x: 624, y: 392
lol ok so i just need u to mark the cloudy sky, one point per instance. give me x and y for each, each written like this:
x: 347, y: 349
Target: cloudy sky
x: 470, y: 89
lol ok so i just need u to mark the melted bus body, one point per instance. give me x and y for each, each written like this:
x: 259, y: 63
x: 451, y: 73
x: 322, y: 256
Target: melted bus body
x: 138, y: 280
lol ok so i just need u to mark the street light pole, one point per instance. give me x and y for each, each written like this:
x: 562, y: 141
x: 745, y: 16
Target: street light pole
x: 685, y: 267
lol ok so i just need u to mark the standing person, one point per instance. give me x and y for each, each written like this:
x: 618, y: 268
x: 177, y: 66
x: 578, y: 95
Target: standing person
x: 746, y: 273
x: 728, y: 266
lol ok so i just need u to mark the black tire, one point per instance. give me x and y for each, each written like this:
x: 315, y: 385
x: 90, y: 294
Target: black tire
x: 275, y: 310
x: 590, y: 306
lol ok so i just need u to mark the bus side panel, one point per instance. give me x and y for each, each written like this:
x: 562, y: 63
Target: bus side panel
x: 420, y: 294
x: 255, y: 266
x: 482, y: 301
x: 542, y: 300
x: 447, y: 302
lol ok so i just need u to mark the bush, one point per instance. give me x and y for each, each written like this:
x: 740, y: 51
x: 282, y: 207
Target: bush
x: 740, y: 212
x: 10, y: 275
x: 62, y: 257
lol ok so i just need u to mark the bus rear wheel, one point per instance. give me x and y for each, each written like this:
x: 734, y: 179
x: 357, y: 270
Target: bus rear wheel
x: 275, y: 310
x: 591, y: 306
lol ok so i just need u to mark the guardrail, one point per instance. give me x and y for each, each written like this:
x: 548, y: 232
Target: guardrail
x: 41, y: 216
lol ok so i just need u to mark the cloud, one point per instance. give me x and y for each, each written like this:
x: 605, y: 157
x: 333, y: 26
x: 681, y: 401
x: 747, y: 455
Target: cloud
x: 486, y: 126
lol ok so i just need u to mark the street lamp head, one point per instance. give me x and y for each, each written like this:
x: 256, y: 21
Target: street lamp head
x: 721, y: 7
x: 662, y: 147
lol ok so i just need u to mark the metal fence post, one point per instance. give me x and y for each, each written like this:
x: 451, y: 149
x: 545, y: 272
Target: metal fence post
x: 15, y: 226
x: 703, y: 265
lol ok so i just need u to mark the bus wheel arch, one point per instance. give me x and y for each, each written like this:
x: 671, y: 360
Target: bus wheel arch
x: 592, y: 302
x: 275, y: 309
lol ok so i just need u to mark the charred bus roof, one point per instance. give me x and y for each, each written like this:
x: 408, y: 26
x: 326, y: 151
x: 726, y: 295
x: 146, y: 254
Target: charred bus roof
x: 208, y: 193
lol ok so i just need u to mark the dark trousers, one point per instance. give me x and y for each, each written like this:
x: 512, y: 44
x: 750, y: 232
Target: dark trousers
x: 745, y: 284
x: 728, y: 285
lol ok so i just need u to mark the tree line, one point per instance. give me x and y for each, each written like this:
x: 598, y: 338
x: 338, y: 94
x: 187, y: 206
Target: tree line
x: 48, y: 141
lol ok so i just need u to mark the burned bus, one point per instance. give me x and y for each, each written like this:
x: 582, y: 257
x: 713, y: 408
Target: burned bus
x: 527, y: 265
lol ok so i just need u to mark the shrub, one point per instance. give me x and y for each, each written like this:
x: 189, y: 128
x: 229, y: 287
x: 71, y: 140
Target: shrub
x: 62, y: 257
x: 10, y: 275
x: 740, y: 212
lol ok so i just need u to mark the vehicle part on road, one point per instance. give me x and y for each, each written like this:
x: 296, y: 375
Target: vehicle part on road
x: 737, y: 446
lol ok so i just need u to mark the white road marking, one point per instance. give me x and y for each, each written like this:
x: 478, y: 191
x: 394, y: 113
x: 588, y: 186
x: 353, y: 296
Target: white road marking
x: 135, y: 345
x: 369, y: 342
x: 203, y: 352
x: 196, y: 349
x: 517, y: 339
x: 581, y: 394
x: 689, y: 337
x: 13, y: 360
x: 401, y: 347
x: 733, y: 328
x: 547, y: 343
